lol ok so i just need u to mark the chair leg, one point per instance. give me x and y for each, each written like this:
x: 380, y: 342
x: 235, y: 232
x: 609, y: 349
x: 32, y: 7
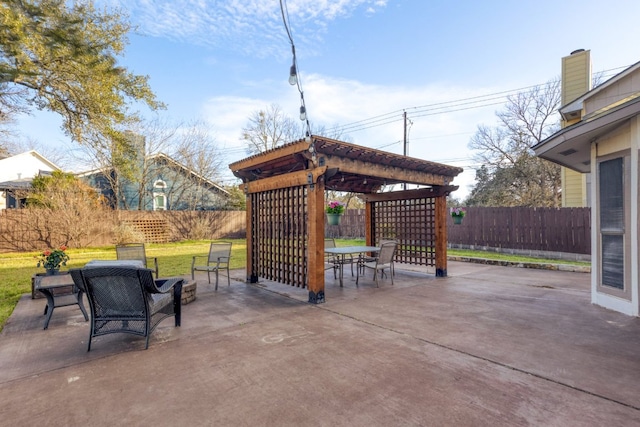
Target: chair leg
x: 216, y: 279
x: 228, y: 277
x: 177, y: 302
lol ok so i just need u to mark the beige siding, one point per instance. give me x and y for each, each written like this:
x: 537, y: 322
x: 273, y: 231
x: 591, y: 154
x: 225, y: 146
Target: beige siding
x: 576, y: 76
x: 617, y: 92
x: 573, y: 189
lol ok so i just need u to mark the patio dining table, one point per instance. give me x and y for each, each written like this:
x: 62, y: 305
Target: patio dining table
x: 349, y: 250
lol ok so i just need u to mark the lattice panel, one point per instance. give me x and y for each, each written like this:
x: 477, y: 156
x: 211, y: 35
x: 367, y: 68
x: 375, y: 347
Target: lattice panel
x: 412, y: 224
x: 154, y: 230
x: 280, y: 235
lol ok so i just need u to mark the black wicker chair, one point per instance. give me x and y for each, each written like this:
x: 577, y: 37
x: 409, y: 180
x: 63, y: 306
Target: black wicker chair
x: 127, y: 299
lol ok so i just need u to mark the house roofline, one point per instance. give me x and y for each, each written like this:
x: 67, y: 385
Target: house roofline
x: 165, y: 156
x: 42, y: 158
x: 577, y: 104
x: 570, y: 146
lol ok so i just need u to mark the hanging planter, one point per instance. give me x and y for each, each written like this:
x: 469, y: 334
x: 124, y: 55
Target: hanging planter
x: 457, y: 214
x: 334, y: 212
x: 333, y: 219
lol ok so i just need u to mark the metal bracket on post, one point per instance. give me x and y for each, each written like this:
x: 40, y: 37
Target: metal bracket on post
x: 310, y: 180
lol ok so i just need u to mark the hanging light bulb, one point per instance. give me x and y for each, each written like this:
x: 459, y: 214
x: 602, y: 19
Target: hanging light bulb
x: 303, y: 113
x: 293, y: 75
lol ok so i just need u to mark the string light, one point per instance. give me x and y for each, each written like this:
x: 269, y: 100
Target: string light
x: 294, y: 75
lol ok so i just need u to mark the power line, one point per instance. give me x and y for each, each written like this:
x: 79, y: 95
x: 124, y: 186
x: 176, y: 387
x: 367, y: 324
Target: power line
x: 457, y: 105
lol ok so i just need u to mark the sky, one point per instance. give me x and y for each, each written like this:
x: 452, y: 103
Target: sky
x: 362, y: 64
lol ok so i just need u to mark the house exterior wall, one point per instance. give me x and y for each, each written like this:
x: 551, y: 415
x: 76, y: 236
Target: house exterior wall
x: 574, y: 187
x: 20, y: 166
x: 622, y: 143
x: 182, y: 190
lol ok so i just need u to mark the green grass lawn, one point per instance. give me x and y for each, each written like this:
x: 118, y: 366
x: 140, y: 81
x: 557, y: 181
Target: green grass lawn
x: 174, y: 259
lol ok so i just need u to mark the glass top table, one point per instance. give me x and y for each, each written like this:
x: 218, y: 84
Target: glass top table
x: 349, y: 250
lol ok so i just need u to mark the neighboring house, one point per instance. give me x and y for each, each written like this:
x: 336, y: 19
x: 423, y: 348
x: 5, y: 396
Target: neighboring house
x: 602, y: 137
x: 162, y: 184
x: 17, y: 172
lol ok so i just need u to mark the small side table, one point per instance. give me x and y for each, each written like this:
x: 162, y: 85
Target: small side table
x: 48, y: 286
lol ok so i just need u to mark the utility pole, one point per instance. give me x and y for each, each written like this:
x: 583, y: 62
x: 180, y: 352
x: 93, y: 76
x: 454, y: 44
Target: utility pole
x: 405, y: 132
x: 404, y: 115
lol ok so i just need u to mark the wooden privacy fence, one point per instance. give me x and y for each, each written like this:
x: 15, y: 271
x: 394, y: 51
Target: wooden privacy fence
x: 351, y: 225
x: 28, y: 230
x: 536, y: 229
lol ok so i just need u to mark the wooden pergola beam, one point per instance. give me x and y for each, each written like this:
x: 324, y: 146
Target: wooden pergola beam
x: 438, y: 191
x: 364, y: 168
x: 259, y: 160
x: 293, y: 179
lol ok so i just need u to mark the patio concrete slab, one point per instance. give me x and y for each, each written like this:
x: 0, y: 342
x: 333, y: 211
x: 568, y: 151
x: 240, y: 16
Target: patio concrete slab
x: 487, y: 345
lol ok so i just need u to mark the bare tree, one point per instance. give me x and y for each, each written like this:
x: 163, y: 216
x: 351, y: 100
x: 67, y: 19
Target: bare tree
x: 268, y: 129
x: 195, y: 149
x: 159, y: 150
x: 64, y: 211
x: 511, y: 174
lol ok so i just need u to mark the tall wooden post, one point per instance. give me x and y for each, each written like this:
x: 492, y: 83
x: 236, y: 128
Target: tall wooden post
x: 252, y: 277
x: 368, y: 226
x: 315, y: 224
x: 441, y: 236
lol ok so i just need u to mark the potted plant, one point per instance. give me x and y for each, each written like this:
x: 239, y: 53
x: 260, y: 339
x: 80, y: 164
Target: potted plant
x: 334, y: 210
x: 458, y: 214
x: 51, y: 260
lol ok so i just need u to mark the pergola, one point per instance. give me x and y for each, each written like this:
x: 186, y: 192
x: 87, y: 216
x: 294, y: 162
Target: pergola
x: 285, y: 190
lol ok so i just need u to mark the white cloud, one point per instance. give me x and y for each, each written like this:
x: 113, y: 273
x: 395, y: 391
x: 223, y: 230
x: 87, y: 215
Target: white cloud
x: 255, y: 26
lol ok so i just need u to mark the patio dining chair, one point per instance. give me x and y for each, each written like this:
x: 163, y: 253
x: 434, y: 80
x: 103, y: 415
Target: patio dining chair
x: 329, y: 259
x: 136, y: 251
x: 336, y: 261
x: 128, y: 299
x: 367, y: 258
x: 218, y: 259
x: 383, y: 261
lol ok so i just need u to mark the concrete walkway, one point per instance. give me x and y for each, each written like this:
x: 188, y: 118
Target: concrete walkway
x: 488, y: 345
